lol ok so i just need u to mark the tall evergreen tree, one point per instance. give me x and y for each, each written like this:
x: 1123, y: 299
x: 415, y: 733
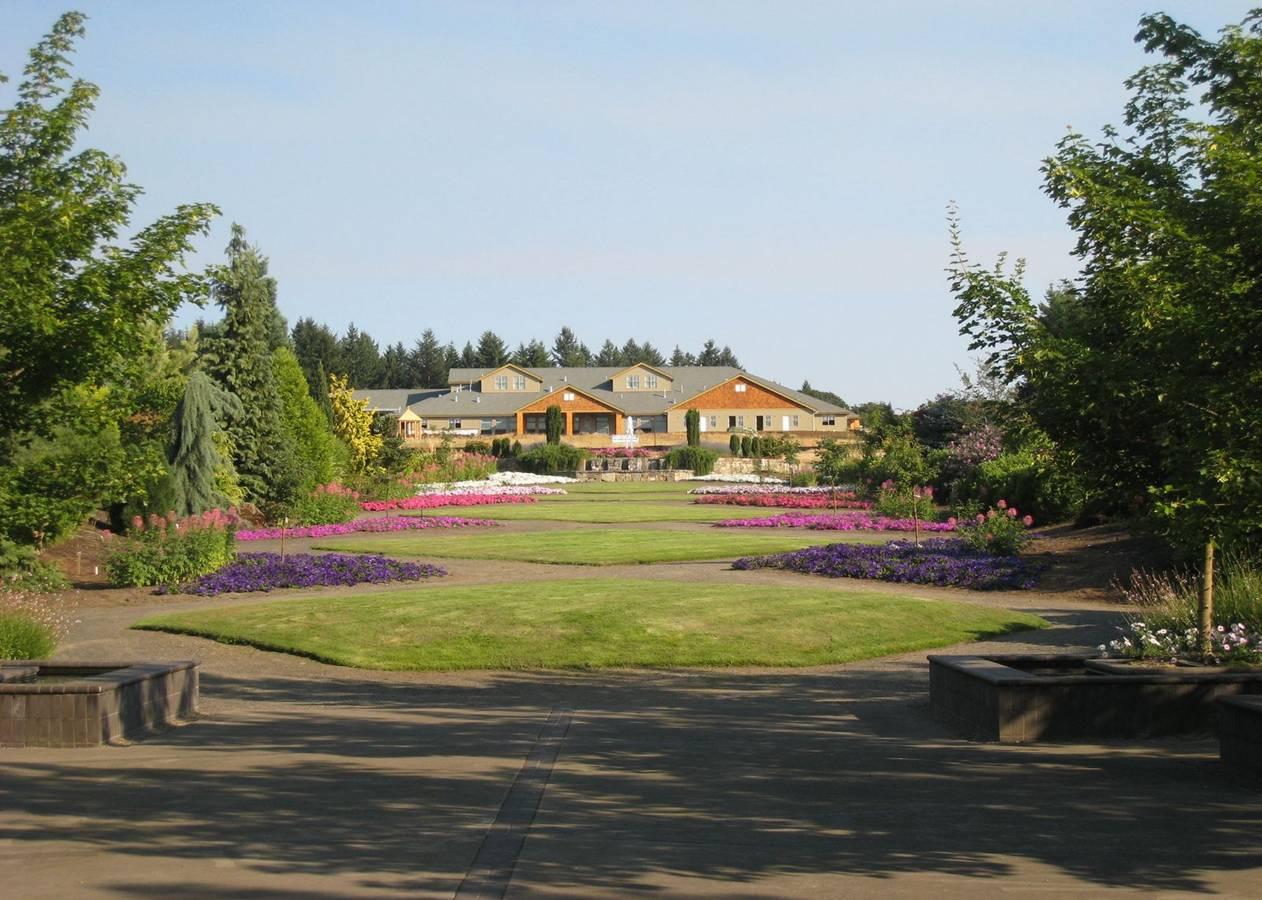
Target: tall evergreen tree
x: 532, y: 356
x: 394, y: 367
x: 427, y: 363
x: 468, y: 356
x: 728, y: 358
x: 240, y: 361
x: 608, y: 355
x: 680, y: 358
x: 631, y: 353
x: 320, y: 392
x: 568, y: 351
x: 309, y: 432
x: 194, y: 459
x: 492, y: 351
x: 359, y: 359
x: 709, y: 355
x: 315, y: 345
x: 651, y: 355
x: 451, y: 359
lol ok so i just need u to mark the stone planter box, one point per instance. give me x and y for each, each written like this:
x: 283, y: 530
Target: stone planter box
x: 45, y: 703
x: 1020, y: 699
x: 1240, y: 732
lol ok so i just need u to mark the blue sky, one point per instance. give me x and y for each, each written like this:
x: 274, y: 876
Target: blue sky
x: 774, y: 176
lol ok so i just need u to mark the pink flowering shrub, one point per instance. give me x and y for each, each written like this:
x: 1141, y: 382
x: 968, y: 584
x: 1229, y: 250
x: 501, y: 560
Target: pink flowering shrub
x: 623, y: 453
x: 786, y: 501
x: 377, y: 525
x: 855, y: 521
x: 171, y: 550
x: 433, y: 501
x: 1001, y: 530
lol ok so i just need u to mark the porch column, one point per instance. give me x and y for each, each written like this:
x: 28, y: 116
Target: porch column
x: 569, y: 423
x: 521, y: 423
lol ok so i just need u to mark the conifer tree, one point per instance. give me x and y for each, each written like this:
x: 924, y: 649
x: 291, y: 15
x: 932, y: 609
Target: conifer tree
x: 194, y: 458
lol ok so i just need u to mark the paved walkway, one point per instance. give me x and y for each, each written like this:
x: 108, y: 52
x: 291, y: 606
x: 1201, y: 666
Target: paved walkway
x: 315, y: 781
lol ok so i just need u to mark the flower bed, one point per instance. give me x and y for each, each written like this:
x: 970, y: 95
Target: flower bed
x: 844, y: 522
x: 382, y: 523
x: 265, y: 571
x: 737, y: 479
x: 486, y: 489
x: 939, y: 561
x: 623, y: 453
x: 433, y: 501
x: 784, y: 501
x: 721, y: 490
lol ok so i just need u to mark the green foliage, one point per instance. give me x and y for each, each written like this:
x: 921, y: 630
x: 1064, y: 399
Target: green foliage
x: 240, y: 360
x: 893, y: 454
x: 327, y: 504
x: 944, y: 419
x: 755, y: 447
x: 550, y: 459
x: 78, y: 310
x: 482, y: 448
x: 516, y: 449
x: 554, y: 423
x: 21, y: 569
x: 358, y: 359
x: 747, y: 446
x: 353, y: 423
x: 692, y: 422
x: 1169, y: 599
x: 700, y: 460
x: 904, y: 501
x: 393, y: 457
x: 306, y: 424
x: 1030, y: 480
x: 826, y: 396
x: 193, y: 456
x: 835, y: 462
x: 24, y: 638
x: 803, y: 479
x: 1000, y: 531
x: 492, y: 351
x: 159, y: 552
x: 1148, y: 370
x: 734, y: 445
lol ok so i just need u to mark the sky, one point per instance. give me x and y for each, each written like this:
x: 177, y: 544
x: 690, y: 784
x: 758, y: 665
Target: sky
x: 772, y: 176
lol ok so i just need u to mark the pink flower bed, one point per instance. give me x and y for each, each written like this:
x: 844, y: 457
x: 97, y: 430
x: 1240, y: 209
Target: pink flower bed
x: 847, y: 522
x: 622, y: 453
x: 432, y: 501
x: 786, y: 501
x: 380, y: 524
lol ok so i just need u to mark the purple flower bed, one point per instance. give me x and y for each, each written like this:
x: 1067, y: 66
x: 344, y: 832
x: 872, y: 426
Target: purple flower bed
x: 381, y: 523
x: 265, y: 571
x: 940, y: 561
x: 842, y: 522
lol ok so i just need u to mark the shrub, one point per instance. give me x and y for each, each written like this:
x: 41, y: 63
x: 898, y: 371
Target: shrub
x: 1000, y: 530
x: 171, y: 551
x: 904, y: 502
x: 482, y: 448
x: 755, y: 447
x: 802, y: 479
x: 327, y: 503
x: 692, y: 422
x: 22, y: 569
x: 549, y: 459
x: 747, y: 446
x: 734, y: 444
x: 21, y: 637
x: 700, y: 460
x: 554, y: 424
x: 1030, y: 479
x: 516, y: 448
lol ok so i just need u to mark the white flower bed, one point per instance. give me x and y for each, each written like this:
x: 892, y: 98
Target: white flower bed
x: 738, y: 479
x: 766, y: 489
x: 486, y: 488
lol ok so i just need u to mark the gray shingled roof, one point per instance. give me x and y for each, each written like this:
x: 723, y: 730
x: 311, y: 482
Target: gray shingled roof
x: 688, y: 381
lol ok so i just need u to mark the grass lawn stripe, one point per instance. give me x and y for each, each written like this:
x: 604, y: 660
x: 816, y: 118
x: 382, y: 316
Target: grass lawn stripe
x: 593, y: 623
x: 604, y: 510
x: 593, y: 547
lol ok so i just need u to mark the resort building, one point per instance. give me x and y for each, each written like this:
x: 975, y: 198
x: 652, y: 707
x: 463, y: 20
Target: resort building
x: 605, y: 406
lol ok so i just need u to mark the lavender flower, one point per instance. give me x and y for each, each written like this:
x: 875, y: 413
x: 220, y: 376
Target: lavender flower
x: 265, y: 571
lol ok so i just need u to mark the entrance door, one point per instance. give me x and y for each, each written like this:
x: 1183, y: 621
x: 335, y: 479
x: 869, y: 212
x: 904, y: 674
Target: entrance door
x: 786, y: 424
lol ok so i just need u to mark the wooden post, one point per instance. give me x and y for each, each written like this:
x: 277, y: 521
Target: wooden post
x: 1205, y: 601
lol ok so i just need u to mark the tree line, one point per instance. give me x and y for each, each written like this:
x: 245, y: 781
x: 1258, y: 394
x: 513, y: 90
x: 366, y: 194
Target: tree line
x: 357, y: 356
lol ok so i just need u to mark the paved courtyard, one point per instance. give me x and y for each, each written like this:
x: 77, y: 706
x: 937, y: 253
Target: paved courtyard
x: 308, y: 780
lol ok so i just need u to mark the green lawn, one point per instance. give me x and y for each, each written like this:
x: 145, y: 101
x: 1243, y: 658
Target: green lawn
x: 561, y: 509
x: 592, y: 623
x: 594, y: 546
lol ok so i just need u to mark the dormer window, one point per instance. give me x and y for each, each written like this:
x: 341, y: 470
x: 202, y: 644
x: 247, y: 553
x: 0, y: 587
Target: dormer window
x: 650, y: 382
x: 501, y: 382
x: 633, y: 382
x: 567, y: 396
x: 519, y: 382
x: 740, y: 388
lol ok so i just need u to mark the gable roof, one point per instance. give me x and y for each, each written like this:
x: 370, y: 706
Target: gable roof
x: 641, y: 365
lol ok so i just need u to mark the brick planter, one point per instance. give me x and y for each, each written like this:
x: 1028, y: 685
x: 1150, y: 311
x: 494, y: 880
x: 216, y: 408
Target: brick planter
x: 92, y: 703
x: 1020, y: 699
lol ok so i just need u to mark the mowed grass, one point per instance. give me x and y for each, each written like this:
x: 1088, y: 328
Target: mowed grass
x: 607, y: 511
x: 597, y: 623
x: 592, y: 546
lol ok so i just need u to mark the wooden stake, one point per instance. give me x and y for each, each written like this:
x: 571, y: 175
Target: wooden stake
x: 1205, y: 602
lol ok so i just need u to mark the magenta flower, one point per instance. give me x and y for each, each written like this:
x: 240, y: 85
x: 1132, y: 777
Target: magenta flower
x: 1002, y: 504
x: 1028, y: 521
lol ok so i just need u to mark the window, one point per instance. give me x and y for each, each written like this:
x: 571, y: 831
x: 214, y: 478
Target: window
x: 568, y: 395
x: 535, y: 423
x: 794, y: 421
x: 519, y: 382
x: 740, y: 387
x: 501, y: 382
x: 453, y: 423
x: 740, y: 421
x: 828, y: 420
x: 650, y: 382
x: 713, y: 423
x: 633, y: 382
